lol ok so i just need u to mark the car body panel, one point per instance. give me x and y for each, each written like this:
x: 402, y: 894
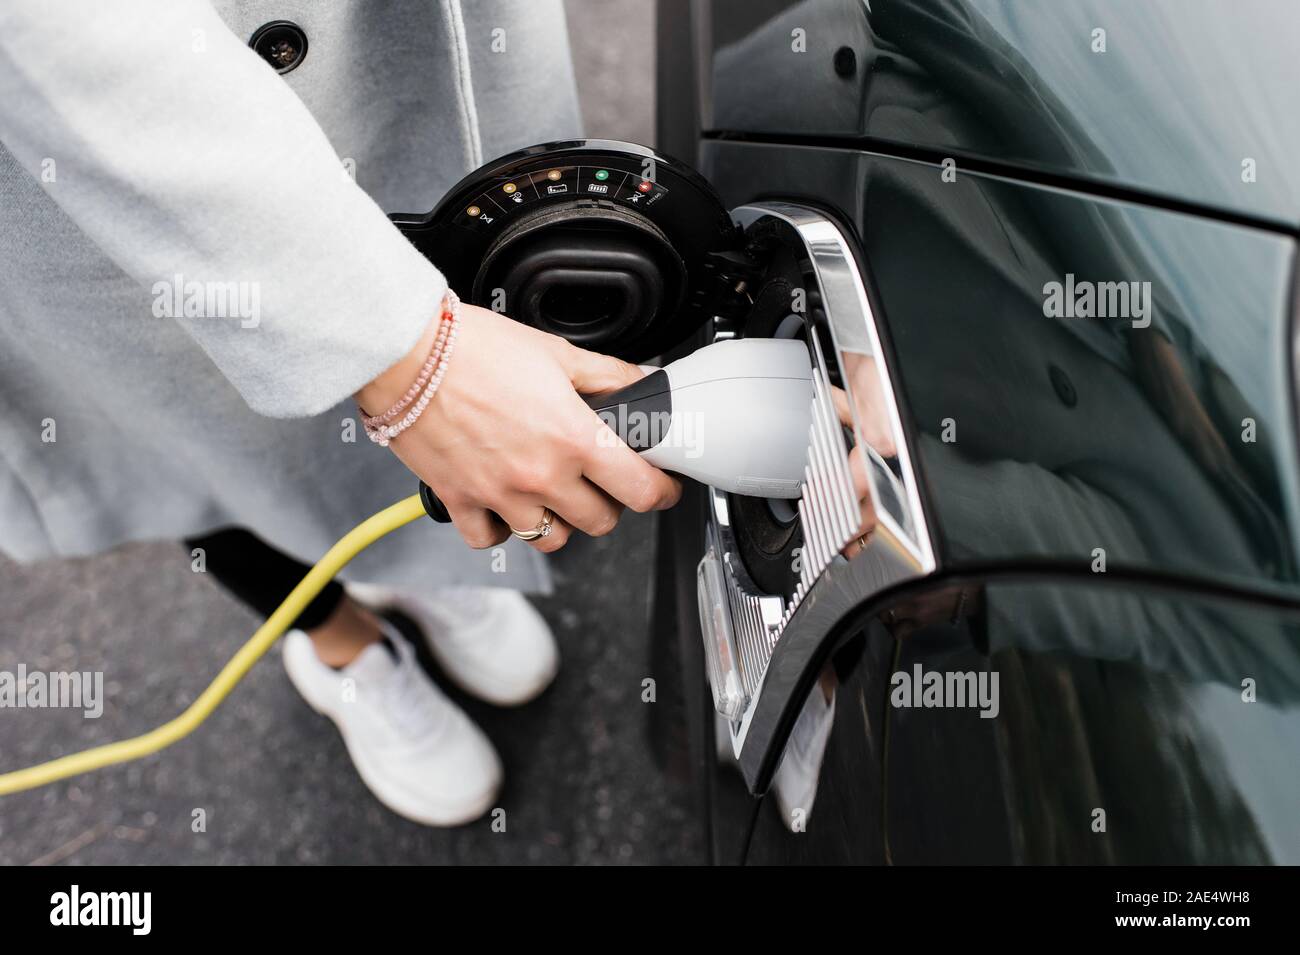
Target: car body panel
x: 1133, y: 727
x: 1186, y: 99
x: 1169, y: 445
x: 1113, y: 499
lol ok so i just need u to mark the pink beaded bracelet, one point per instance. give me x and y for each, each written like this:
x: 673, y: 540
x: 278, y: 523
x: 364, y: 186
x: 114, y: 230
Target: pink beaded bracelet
x: 383, y: 428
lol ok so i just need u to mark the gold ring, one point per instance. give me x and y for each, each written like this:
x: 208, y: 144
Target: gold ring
x: 541, y: 529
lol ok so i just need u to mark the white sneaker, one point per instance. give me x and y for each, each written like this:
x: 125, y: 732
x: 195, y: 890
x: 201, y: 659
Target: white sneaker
x: 490, y: 640
x: 416, y: 751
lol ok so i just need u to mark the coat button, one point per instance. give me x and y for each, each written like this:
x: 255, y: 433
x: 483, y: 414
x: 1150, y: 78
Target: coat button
x: 1063, y: 385
x: 280, y: 43
x: 846, y: 61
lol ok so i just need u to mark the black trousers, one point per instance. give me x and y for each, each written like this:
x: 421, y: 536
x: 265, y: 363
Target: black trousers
x: 262, y: 576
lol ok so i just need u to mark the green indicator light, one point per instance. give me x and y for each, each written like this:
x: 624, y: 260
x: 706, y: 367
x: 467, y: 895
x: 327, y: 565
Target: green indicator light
x: 602, y: 174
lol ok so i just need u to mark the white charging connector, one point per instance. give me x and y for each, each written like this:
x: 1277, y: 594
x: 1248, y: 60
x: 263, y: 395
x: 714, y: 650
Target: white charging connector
x: 735, y: 415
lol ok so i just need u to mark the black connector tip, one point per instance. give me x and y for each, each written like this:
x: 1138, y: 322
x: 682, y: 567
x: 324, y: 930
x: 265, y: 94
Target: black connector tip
x: 432, y: 506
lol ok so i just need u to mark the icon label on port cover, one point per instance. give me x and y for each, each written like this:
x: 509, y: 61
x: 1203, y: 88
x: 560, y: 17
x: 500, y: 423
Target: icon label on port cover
x: 554, y: 181
x: 510, y: 194
x: 479, y: 213
x: 641, y: 192
x: 599, y: 180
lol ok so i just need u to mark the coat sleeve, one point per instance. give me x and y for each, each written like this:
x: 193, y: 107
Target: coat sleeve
x: 196, y: 169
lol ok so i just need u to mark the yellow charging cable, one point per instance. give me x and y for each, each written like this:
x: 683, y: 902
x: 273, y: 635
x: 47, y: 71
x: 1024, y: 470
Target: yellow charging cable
x: 351, y: 544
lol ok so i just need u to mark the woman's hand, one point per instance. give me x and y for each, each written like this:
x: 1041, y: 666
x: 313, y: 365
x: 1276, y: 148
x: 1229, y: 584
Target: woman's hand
x: 507, y: 434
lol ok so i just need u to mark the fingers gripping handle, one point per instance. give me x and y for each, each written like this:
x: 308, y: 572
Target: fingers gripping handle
x: 627, y: 411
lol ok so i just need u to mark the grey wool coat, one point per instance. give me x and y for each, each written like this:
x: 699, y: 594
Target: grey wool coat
x: 145, y: 152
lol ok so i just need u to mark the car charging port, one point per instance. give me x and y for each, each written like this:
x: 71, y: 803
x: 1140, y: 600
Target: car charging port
x: 610, y: 245
x: 588, y: 271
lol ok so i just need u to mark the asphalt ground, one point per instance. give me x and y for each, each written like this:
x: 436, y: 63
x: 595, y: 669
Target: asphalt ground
x: 270, y: 781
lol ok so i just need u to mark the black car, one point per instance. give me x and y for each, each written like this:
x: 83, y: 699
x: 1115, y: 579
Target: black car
x: 1038, y: 599
x: 1048, y: 249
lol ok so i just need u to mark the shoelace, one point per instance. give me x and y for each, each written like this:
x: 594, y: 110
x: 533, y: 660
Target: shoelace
x: 410, y: 704
x: 459, y: 609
